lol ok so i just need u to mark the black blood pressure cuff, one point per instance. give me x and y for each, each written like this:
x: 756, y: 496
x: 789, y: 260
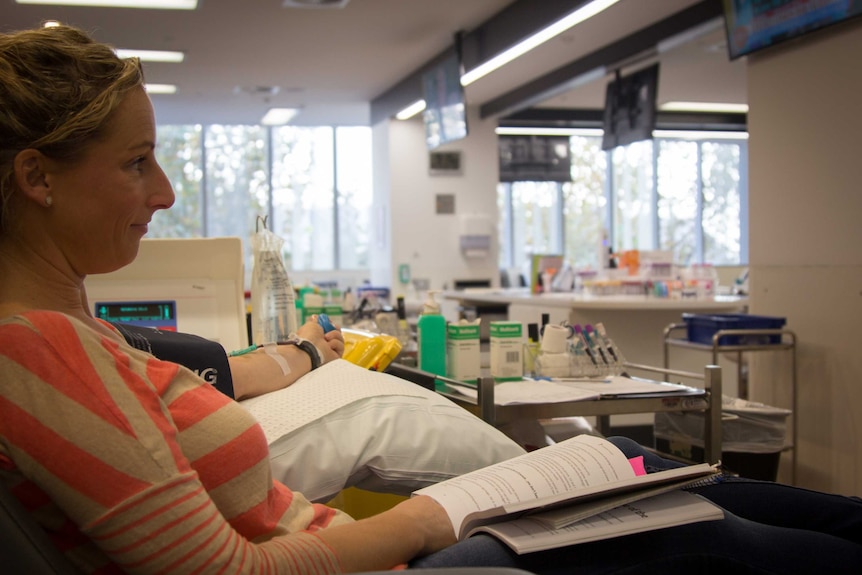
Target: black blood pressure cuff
x: 204, y: 357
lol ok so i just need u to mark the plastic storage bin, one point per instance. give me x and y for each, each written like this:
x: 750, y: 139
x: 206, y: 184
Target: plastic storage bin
x: 753, y: 436
x: 702, y: 327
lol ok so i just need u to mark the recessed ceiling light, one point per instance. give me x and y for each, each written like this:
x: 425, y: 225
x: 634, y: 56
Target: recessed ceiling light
x: 279, y: 116
x: 152, y: 55
x: 704, y: 107
x: 164, y: 4
x: 160, y: 88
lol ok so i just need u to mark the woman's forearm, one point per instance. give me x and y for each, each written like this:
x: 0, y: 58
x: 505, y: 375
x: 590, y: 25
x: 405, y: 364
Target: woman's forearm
x: 256, y: 373
x: 411, y: 529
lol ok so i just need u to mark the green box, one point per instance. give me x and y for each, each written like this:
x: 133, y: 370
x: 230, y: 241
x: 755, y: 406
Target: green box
x: 463, y: 358
x: 507, y: 350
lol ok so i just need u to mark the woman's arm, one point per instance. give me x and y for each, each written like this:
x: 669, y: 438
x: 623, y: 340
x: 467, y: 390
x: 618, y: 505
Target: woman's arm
x: 256, y: 373
x: 413, y: 528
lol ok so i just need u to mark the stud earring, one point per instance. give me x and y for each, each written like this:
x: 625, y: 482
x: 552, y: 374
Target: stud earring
x: 49, y: 200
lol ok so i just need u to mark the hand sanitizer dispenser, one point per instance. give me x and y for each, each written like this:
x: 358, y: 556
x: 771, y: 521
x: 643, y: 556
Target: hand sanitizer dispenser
x: 431, y: 336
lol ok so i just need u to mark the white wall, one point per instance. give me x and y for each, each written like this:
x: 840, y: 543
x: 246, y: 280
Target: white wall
x: 805, y: 205
x: 411, y: 232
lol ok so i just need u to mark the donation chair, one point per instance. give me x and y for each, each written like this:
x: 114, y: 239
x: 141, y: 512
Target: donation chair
x: 26, y: 548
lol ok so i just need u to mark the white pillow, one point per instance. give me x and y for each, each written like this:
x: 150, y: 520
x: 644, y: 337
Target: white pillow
x: 344, y: 426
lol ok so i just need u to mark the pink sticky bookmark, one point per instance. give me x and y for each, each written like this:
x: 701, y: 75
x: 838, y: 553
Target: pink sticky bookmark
x: 637, y: 464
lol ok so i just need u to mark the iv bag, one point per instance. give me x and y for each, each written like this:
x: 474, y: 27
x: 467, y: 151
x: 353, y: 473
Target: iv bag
x: 273, y: 301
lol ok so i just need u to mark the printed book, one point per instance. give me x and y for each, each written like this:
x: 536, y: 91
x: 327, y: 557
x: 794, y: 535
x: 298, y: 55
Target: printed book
x: 579, y: 490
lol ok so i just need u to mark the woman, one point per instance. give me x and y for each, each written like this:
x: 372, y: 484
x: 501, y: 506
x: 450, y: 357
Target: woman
x: 135, y: 464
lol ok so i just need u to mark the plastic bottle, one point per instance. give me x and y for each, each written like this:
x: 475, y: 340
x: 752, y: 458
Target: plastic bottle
x: 431, y: 333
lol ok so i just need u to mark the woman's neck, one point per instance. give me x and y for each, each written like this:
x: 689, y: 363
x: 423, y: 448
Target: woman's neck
x: 29, y: 281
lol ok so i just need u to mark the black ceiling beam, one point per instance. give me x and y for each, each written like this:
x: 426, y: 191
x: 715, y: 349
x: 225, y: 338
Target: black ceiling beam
x: 509, y: 26
x: 587, y: 118
x: 614, y: 55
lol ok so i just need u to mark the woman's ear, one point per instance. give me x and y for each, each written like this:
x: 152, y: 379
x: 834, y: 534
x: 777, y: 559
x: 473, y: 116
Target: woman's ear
x: 30, y: 176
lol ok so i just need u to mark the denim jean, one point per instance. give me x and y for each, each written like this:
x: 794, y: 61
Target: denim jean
x: 768, y: 528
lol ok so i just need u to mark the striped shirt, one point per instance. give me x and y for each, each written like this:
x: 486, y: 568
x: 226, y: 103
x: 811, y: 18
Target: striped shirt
x: 133, y: 464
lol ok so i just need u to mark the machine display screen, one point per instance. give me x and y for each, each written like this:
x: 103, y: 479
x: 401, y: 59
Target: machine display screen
x: 158, y: 314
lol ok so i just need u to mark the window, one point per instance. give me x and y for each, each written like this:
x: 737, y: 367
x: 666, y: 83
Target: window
x: 179, y: 152
x: 687, y: 196
x: 312, y: 184
x: 585, y: 204
x: 303, y: 196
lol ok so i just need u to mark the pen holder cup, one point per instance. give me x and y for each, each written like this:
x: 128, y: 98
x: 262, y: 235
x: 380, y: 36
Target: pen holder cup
x: 531, y: 354
x: 574, y: 365
x: 565, y: 365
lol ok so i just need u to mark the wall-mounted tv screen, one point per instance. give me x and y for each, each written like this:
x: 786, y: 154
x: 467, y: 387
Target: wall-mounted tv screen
x: 445, y: 112
x: 630, y: 108
x: 535, y: 159
x: 753, y: 25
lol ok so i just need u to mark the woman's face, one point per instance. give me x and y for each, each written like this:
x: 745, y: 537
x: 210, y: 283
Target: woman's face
x: 103, y: 203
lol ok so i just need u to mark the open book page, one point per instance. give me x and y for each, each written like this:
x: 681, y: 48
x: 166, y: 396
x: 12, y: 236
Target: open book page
x: 567, y: 513
x: 529, y: 533
x: 549, y: 474
x: 576, y: 470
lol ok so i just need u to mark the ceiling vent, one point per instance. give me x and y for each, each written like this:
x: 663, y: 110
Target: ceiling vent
x: 314, y: 3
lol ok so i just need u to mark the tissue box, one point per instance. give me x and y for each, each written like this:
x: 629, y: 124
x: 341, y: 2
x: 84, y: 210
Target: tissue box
x: 507, y: 349
x: 463, y: 359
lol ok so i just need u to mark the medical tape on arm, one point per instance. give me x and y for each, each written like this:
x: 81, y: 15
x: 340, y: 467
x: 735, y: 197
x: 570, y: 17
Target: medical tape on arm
x: 271, y: 349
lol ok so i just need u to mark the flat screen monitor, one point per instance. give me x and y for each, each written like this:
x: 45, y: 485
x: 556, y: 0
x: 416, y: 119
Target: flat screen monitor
x: 191, y: 285
x: 156, y: 314
x: 630, y: 108
x: 535, y: 159
x: 753, y: 25
x: 445, y: 113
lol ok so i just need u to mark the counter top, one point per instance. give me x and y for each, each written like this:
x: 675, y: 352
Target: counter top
x: 585, y: 301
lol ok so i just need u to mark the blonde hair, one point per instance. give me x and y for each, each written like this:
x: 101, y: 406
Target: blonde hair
x: 58, y: 88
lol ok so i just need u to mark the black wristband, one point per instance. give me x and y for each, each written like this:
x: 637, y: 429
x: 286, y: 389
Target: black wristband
x: 309, y: 348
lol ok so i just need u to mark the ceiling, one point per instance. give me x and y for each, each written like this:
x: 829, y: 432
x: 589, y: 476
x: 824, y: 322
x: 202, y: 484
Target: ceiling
x: 244, y: 57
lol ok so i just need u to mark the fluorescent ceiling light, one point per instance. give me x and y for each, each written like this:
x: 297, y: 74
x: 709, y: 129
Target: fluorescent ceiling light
x: 700, y: 135
x: 558, y: 27
x: 704, y: 107
x: 152, y: 55
x: 411, y: 110
x: 279, y: 116
x: 535, y: 131
x: 165, y: 4
x: 160, y: 88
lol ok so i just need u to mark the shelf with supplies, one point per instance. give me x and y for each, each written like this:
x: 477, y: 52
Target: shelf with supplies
x: 737, y: 342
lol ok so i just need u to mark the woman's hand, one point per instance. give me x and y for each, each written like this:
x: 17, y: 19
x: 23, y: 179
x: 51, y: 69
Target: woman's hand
x: 255, y: 374
x: 413, y: 528
x: 433, y: 520
x: 330, y: 344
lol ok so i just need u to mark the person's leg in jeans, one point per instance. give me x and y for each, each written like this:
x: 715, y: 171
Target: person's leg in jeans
x: 732, y: 545
x: 769, y: 502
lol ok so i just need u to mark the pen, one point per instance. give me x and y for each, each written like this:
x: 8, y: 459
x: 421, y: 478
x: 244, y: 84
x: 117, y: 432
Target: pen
x: 609, y: 343
x: 591, y: 347
x: 582, y: 343
x: 598, y: 342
